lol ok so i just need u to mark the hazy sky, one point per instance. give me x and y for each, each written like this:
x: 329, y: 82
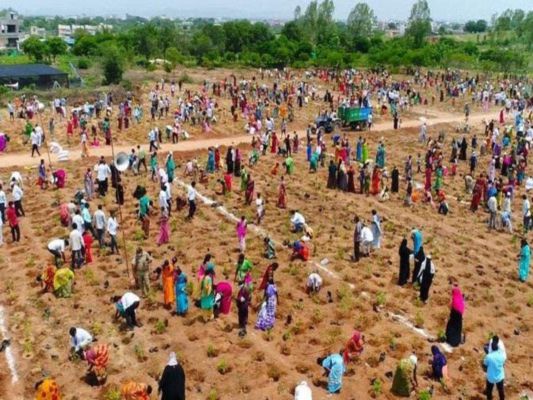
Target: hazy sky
x: 456, y: 10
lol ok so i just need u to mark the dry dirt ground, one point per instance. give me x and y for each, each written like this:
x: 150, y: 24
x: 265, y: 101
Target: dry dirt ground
x: 268, y: 365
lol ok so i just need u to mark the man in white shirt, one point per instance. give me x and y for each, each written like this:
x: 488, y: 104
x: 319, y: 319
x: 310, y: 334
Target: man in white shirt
x: 76, y: 247
x: 102, y: 174
x: 17, y: 194
x: 57, y: 248
x: 168, y: 192
x: 100, y: 225
x: 78, y: 220
x: 126, y: 306
x: 163, y: 198
x: 152, y: 138
x: 191, y: 197
x: 35, y: 142
x: 112, y: 227
x: 80, y: 339
x: 298, y: 221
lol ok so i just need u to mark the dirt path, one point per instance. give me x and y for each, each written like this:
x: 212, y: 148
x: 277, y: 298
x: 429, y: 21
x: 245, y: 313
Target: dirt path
x: 25, y: 160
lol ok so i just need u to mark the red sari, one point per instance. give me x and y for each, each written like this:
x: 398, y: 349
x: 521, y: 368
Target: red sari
x: 427, y: 185
x: 274, y: 145
x: 87, y: 243
x: 374, y: 190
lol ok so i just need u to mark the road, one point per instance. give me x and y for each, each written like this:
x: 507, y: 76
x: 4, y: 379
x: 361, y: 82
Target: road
x: 25, y: 159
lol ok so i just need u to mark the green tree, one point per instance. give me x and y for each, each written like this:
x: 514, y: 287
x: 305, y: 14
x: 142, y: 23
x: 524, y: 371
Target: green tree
x: 56, y: 46
x: 85, y: 45
x: 35, y: 48
x: 173, y: 56
x: 419, y: 26
x: 113, y: 67
x: 361, y: 21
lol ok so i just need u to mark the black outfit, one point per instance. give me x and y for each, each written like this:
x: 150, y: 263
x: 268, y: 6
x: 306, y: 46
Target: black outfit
x: 405, y: 252
x: 395, y: 177
x: 454, y: 328
x: 18, y: 208
x: 462, y: 153
x: 119, y: 194
x: 499, y: 386
x: 237, y: 167
x: 332, y: 173
x: 229, y: 162
x: 102, y: 187
x: 172, y: 383
x: 129, y: 313
x: 425, y: 281
x: 419, y: 257
x: 243, y: 302
x: 192, y: 209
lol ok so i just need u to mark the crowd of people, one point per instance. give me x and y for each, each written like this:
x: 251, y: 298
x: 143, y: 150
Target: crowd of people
x: 267, y: 111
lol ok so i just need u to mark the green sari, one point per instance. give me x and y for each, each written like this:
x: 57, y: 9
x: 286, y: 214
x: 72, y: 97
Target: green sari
x: 207, y: 298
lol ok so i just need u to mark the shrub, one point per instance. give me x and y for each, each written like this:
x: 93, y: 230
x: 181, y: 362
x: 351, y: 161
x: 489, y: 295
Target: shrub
x: 377, y: 387
x: 223, y: 367
x: 424, y: 395
x: 212, y: 351
x: 401, y: 384
x: 83, y: 63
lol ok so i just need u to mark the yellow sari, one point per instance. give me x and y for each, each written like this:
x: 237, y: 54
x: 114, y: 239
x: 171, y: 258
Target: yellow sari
x: 48, y: 390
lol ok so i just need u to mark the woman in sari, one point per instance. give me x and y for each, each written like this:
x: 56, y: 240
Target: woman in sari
x: 274, y: 143
x: 132, y: 390
x: 376, y: 178
x: 267, y: 313
x: 241, y: 229
x: 351, y: 182
x: 207, y: 294
x: 47, y: 389
x: 47, y: 277
x: 354, y: 347
x: 427, y: 183
x: 223, y: 292
x: 89, y: 184
x: 454, y: 327
x: 334, y: 367
x: 364, y: 152
x: 250, y: 187
x: 210, y: 168
x: 170, y: 166
x: 87, y: 245
x: 243, y: 270
x: 524, y: 258
x: 164, y: 228
x: 438, y: 179
x: 438, y: 364
x: 182, y: 302
x: 282, y: 194
x: 63, y: 279
x: 98, y: 358
x: 244, y: 179
x: 167, y: 278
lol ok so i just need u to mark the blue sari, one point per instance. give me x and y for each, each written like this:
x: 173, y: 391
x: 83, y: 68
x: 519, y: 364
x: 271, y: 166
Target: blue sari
x: 334, y: 363
x: 523, y: 266
x: 182, y: 302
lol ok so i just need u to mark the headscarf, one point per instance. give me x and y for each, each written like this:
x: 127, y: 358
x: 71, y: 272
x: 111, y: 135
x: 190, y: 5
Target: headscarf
x: 458, y: 303
x: 439, y: 360
x: 172, y: 361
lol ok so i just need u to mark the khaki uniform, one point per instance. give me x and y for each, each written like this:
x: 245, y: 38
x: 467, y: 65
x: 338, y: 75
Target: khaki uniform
x: 142, y: 269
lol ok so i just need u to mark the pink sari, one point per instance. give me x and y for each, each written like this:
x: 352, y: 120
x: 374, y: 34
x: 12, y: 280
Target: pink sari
x: 225, y: 290
x: 164, y: 230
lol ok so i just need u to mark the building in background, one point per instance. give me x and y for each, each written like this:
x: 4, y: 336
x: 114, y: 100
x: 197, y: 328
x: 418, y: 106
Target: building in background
x: 10, y: 35
x: 67, y: 32
x: 37, y: 31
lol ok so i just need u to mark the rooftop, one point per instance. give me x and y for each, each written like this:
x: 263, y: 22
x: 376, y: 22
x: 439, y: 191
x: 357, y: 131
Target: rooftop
x: 22, y: 70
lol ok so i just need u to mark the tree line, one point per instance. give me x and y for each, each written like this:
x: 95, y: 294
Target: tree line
x: 312, y: 38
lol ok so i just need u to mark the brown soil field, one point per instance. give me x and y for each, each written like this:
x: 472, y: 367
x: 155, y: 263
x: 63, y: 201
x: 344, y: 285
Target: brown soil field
x: 269, y: 365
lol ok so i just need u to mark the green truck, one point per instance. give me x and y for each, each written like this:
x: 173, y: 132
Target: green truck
x: 354, y: 117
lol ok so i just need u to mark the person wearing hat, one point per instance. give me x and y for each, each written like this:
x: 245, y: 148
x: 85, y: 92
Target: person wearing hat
x: 172, y: 381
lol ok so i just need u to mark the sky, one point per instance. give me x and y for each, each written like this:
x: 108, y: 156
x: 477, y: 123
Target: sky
x: 447, y: 10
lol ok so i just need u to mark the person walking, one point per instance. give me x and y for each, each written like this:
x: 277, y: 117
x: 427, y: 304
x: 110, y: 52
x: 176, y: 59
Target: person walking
x: 112, y: 227
x: 191, y: 197
x: 425, y: 277
x: 100, y: 224
x: 76, y: 246
x: 357, y: 239
x: 11, y: 215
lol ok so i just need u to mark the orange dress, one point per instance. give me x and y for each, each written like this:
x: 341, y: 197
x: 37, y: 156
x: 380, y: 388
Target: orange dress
x: 47, y: 277
x: 169, y: 295
x: 134, y: 391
